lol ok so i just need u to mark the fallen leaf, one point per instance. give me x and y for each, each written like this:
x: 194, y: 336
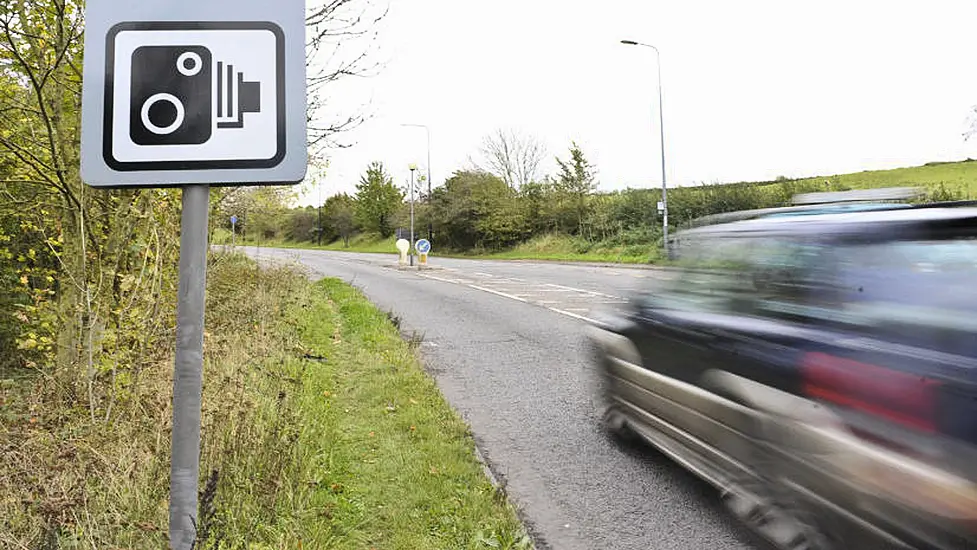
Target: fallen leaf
x: 372, y: 434
x: 413, y: 428
x: 326, y: 394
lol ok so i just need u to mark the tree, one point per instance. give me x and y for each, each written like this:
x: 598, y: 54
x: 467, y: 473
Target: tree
x: 477, y: 209
x: 377, y: 200
x: 576, y: 180
x: 512, y: 156
x: 339, y: 212
x: 300, y: 225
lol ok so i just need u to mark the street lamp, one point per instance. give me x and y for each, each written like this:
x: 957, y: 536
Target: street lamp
x: 412, y: 168
x: 427, y: 131
x: 661, y: 129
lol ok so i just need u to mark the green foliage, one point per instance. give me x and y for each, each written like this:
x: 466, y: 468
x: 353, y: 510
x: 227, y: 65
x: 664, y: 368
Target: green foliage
x: 575, y: 182
x: 377, y: 200
x: 301, y: 224
x: 339, y: 217
x: 477, y: 209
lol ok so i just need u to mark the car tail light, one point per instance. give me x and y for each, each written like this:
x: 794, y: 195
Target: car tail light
x: 902, y: 398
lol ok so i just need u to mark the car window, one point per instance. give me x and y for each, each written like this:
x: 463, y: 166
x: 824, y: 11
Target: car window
x: 776, y: 276
x: 921, y: 290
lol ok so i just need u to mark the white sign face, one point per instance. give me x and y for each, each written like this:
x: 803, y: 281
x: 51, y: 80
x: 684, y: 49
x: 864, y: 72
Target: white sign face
x: 194, y: 98
x: 174, y: 94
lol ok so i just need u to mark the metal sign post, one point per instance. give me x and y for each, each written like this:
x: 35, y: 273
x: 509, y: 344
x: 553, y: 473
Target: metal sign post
x: 175, y: 94
x: 188, y: 366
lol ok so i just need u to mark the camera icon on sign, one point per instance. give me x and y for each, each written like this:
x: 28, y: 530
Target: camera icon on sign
x: 177, y: 94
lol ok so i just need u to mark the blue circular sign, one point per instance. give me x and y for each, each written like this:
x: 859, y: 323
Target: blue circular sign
x: 423, y: 246
x: 233, y: 219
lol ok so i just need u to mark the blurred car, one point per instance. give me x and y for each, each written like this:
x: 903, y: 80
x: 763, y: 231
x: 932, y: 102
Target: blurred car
x: 819, y: 367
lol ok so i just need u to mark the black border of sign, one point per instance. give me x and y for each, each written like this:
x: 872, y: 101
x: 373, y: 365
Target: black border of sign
x: 191, y: 164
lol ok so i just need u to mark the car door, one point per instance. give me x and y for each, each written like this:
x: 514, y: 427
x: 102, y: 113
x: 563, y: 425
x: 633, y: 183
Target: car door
x: 676, y: 335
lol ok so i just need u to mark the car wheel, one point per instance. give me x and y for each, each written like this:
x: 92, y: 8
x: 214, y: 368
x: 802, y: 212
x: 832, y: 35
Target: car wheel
x: 771, y: 509
x: 616, y: 424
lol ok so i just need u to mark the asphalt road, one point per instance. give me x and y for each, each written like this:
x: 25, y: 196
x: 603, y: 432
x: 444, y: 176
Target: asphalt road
x: 505, y: 341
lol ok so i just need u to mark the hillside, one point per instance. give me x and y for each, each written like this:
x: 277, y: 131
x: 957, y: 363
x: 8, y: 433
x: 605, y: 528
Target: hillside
x: 959, y: 178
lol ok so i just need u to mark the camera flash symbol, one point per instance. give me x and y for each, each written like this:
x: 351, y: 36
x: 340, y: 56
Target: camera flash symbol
x: 230, y: 114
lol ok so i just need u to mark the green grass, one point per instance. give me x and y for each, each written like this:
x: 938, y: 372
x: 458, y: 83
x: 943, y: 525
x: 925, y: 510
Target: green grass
x: 320, y: 430
x: 960, y: 176
x: 555, y: 247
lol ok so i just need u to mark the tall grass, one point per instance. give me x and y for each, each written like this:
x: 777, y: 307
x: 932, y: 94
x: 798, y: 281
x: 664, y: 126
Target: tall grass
x: 320, y: 430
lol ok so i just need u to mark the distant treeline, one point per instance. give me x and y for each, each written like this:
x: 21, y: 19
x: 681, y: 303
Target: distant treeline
x: 477, y: 209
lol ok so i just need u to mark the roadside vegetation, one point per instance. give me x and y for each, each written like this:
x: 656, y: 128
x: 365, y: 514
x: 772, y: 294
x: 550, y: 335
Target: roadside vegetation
x: 477, y: 212
x: 320, y: 430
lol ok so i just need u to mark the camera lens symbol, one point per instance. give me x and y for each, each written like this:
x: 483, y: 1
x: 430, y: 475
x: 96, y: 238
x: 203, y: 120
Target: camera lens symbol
x: 189, y: 63
x: 162, y: 99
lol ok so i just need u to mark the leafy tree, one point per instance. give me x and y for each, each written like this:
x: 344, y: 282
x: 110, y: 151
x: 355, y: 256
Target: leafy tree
x: 477, y: 209
x: 339, y: 216
x: 575, y: 182
x: 302, y: 224
x: 377, y: 200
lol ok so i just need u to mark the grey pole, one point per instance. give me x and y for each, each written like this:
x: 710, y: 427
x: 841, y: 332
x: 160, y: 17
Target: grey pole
x: 661, y: 130
x: 412, y: 215
x: 188, y: 367
x: 427, y: 131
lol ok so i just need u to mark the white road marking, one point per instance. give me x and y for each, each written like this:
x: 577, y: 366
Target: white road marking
x: 590, y: 292
x: 574, y: 315
x: 554, y: 290
x: 480, y: 274
x: 569, y: 312
x: 482, y: 288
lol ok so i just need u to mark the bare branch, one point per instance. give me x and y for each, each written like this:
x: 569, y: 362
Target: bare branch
x: 513, y: 156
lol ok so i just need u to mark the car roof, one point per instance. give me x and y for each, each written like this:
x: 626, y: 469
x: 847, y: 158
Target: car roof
x: 864, y: 221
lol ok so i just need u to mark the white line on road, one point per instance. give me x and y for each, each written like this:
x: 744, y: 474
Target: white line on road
x: 482, y: 288
x: 480, y: 274
x: 519, y: 299
x: 591, y: 292
x: 574, y: 315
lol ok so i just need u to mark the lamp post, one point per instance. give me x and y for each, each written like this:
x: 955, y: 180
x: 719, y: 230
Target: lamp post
x: 413, y: 167
x: 427, y: 132
x: 661, y: 129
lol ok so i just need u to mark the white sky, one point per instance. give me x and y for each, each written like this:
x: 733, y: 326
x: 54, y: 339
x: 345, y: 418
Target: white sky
x: 752, y: 89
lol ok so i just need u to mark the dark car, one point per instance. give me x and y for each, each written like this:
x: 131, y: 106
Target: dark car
x: 819, y: 369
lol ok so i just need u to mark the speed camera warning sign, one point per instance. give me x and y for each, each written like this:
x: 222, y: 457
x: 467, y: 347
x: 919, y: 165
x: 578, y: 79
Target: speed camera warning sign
x: 193, y: 100
x: 194, y: 96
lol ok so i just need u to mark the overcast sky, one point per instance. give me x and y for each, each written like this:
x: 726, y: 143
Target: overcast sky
x: 752, y: 89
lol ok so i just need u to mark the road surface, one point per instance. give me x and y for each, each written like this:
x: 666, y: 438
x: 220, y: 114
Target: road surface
x: 505, y: 341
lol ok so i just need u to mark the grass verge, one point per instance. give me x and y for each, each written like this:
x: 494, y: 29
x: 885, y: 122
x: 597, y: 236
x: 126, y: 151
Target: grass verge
x: 320, y: 430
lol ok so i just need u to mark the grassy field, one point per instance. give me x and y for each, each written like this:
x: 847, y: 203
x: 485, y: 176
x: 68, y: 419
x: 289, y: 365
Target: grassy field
x: 320, y: 430
x: 958, y: 176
